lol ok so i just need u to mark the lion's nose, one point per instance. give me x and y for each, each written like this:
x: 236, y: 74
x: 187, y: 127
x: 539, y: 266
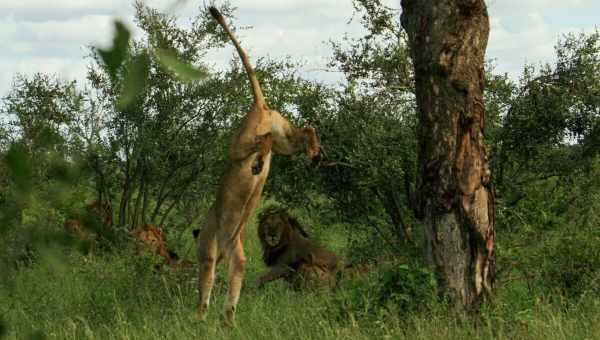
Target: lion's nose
x: 320, y: 156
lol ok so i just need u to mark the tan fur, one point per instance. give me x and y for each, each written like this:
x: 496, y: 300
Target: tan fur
x: 262, y: 132
x: 102, y: 211
x: 75, y: 227
x: 151, y: 239
x: 290, y: 255
x: 101, y: 215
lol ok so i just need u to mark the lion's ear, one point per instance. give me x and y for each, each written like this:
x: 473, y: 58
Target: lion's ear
x: 195, y: 233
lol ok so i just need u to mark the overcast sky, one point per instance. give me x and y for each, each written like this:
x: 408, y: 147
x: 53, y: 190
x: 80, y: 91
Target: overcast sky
x: 51, y: 35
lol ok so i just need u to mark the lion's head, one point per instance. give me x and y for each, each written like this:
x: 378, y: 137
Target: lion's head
x: 76, y: 227
x: 152, y: 238
x: 275, y: 228
x: 102, y: 212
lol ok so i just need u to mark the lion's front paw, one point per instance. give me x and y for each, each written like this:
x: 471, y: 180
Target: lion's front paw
x: 229, y: 317
x: 201, y: 315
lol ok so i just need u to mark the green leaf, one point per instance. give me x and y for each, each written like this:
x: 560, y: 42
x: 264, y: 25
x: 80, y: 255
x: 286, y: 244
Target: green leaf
x: 19, y: 166
x: 183, y: 71
x: 37, y: 335
x: 61, y: 170
x: 114, y: 57
x: 135, y: 80
x: 8, y: 214
x: 3, y: 328
x: 47, y: 137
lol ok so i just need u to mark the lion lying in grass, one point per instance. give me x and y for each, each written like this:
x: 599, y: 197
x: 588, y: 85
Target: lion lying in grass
x: 89, y: 227
x: 291, y: 256
x: 151, y: 238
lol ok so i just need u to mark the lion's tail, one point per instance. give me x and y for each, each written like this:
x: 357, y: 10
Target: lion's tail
x: 258, y: 95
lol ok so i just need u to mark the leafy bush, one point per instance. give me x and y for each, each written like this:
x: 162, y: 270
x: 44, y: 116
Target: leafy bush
x: 397, y: 289
x: 572, y: 264
x: 554, y: 239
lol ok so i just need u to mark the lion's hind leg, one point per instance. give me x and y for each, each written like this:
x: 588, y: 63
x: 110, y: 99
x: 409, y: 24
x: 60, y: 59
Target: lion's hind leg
x: 237, y: 263
x: 207, y: 261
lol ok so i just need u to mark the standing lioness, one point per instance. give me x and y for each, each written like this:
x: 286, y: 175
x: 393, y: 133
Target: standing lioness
x: 262, y: 132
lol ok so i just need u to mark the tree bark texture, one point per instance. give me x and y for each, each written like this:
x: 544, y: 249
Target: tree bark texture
x: 447, y: 40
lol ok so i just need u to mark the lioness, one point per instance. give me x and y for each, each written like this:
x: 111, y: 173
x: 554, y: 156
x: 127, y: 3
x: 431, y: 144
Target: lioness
x: 262, y: 132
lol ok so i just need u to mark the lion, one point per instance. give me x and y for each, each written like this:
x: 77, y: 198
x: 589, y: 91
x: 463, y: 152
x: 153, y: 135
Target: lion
x: 262, y: 132
x: 75, y: 227
x: 85, y: 227
x: 151, y: 238
x: 290, y: 255
x: 102, y: 212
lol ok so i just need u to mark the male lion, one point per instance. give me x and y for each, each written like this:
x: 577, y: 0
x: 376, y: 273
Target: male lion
x: 152, y: 239
x: 262, y: 132
x: 291, y: 255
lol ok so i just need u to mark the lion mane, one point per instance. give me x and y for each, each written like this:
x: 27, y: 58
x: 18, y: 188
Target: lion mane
x: 294, y: 257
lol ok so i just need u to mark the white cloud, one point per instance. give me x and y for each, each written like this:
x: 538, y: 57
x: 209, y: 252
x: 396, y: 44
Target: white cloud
x: 513, y: 7
x: 52, y: 35
x: 66, y: 69
x: 527, y: 31
x: 85, y: 29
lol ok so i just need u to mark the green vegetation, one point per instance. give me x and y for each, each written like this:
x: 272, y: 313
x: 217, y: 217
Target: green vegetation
x: 120, y: 296
x: 147, y: 136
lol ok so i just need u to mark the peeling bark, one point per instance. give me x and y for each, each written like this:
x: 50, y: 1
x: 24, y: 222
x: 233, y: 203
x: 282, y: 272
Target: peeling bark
x: 448, y: 39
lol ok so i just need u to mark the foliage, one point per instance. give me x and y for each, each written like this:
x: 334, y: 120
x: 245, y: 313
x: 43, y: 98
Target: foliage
x: 158, y: 137
x: 554, y: 249
x: 147, y: 134
x: 99, y: 298
x: 399, y: 289
x: 353, y: 123
x: 551, y: 125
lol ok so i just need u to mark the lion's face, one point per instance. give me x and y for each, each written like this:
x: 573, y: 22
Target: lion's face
x: 74, y: 226
x: 271, y: 228
x: 152, y: 237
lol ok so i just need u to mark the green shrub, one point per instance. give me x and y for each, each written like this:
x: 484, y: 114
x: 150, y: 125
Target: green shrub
x: 572, y: 263
x: 398, y: 289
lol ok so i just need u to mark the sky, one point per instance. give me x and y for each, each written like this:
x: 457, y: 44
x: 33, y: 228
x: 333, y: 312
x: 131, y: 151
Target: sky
x: 53, y: 36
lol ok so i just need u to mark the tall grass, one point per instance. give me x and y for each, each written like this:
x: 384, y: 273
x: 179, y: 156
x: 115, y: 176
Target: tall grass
x: 121, y: 296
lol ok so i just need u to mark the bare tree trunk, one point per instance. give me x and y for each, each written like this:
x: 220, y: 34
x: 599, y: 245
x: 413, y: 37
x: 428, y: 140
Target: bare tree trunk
x: 141, y: 198
x: 102, y: 191
x: 392, y: 206
x: 167, y: 212
x: 145, y: 202
x: 124, y: 206
x: 448, y: 39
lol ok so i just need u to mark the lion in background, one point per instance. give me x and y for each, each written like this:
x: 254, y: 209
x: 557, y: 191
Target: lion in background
x: 151, y: 238
x: 291, y: 256
x: 87, y: 227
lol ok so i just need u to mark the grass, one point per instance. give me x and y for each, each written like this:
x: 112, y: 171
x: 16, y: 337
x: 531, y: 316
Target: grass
x: 119, y: 296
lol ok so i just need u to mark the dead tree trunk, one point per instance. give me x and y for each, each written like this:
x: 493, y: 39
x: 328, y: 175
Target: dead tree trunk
x: 447, y: 40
